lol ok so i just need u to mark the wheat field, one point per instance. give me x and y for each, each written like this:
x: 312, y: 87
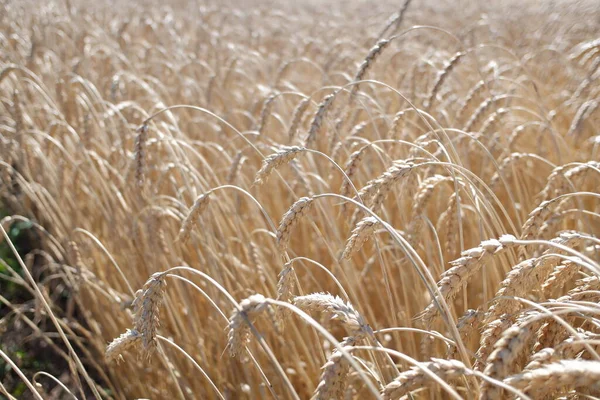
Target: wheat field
x: 302, y: 200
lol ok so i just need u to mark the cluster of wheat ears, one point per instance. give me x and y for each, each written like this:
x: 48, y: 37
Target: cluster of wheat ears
x: 279, y: 200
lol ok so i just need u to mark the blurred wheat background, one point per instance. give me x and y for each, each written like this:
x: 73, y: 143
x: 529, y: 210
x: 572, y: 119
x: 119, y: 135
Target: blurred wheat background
x: 294, y: 200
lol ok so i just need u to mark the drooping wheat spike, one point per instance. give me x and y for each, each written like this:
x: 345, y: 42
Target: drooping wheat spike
x: 360, y: 234
x: 139, y: 154
x: 583, y: 113
x: 128, y: 340
x: 421, y: 200
x: 448, y: 67
x: 466, y: 325
x: 574, y: 346
x: 366, y: 64
x: 317, y: 120
x: 583, y: 285
x: 200, y: 204
x: 491, y: 122
x: 579, y: 172
x: 551, y: 332
x: 285, y: 287
x: 508, y: 162
x: 507, y: 351
x: 528, y: 275
x: 350, y: 169
x: 367, y: 193
x: 336, y: 308
x: 334, y: 135
x: 147, y: 309
x: 516, y: 283
x: 454, y: 279
x: 395, y: 19
x: 17, y: 115
x: 448, y: 222
x: 389, y: 178
x: 415, y: 378
x: 236, y: 166
x: 536, y: 219
x: 584, y: 47
x: 550, y: 189
x: 474, y: 92
x: 239, y: 329
x: 542, y: 357
x: 425, y: 192
x: 567, y: 349
x: 297, y: 118
x: 570, y: 374
x: 562, y: 177
x: 264, y: 113
x: 478, y: 113
x: 557, y: 280
x: 334, y: 378
x: 492, y: 332
x: 586, y: 83
x: 299, y: 209
x: 273, y: 161
x: 398, y: 125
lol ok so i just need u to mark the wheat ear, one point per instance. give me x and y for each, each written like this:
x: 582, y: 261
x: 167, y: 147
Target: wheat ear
x: 239, y: 329
x: 317, y: 121
x: 146, y: 308
x: 557, y: 280
x: 273, y: 161
x: 297, y: 118
x: 200, y: 204
x: 474, y: 92
x: 448, y: 67
x: 584, y: 111
x: 285, y: 287
x: 394, y: 174
x: 483, y: 107
x: 466, y: 325
x: 350, y: 169
x: 299, y: 209
x: 416, y: 378
x: 336, y: 308
x: 507, y: 351
x: 455, y: 278
x: 489, y: 337
x: 139, y: 154
x: 236, y: 166
x: 368, y: 61
x: 128, y: 340
x: 264, y: 114
x: 360, y: 234
x: 567, y: 373
x: 334, y: 378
